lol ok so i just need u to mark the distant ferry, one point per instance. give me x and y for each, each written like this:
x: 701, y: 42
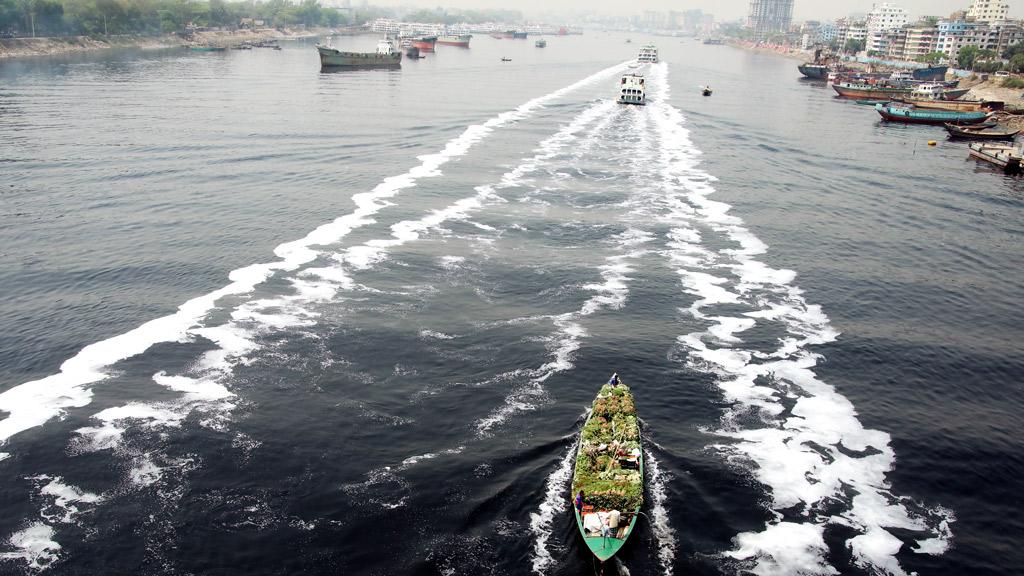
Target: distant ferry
x: 648, y: 53
x: 631, y: 90
x: 461, y: 40
x: 385, y: 57
x: 715, y: 41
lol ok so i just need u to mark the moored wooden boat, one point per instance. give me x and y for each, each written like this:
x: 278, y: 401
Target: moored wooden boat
x: 872, y: 102
x: 869, y: 91
x: 915, y: 116
x: 1002, y: 155
x: 968, y: 133
x: 609, y: 472
x: 956, y: 105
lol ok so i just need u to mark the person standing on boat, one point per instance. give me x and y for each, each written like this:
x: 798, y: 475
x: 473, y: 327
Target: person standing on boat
x: 579, y: 502
x: 614, y: 380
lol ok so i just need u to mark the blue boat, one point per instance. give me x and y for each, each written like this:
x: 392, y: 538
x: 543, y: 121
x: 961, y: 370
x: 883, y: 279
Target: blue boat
x: 932, y: 74
x: 909, y: 115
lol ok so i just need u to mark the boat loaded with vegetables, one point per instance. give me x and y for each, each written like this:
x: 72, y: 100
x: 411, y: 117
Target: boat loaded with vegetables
x: 609, y: 472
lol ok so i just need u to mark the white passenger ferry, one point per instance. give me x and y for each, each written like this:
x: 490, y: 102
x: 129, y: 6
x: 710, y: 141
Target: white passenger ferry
x: 631, y: 90
x: 648, y: 53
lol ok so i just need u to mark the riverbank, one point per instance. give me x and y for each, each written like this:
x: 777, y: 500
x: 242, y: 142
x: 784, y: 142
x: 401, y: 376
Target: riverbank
x: 28, y: 47
x: 777, y: 50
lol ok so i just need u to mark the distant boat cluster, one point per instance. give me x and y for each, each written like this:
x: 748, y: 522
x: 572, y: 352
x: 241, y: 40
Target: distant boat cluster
x: 924, y: 96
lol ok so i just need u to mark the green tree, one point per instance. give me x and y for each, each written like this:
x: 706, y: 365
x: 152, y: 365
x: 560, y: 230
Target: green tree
x: 853, y: 46
x: 1017, y: 63
x: 966, y: 56
x: 1013, y: 50
x: 932, y: 57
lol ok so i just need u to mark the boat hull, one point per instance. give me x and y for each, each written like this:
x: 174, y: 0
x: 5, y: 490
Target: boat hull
x: 602, y: 449
x: 814, y: 71
x: 955, y: 105
x: 964, y: 134
x: 935, y: 73
x: 425, y: 44
x: 1002, y: 156
x: 461, y: 41
x: 869, y: 93
x: 911, y: 116
x: 332, y: 58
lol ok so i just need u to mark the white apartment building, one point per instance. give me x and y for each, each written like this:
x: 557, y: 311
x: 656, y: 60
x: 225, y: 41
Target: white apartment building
x: 988, y: 11
x: 883, y: 18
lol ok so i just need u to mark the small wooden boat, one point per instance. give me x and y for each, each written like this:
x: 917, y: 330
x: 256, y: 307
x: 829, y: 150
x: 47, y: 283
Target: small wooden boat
x: 915, y: 116
x: 609, y: 472
x: 706, y: 90
x: 506, y: 59
x: 1002, y: 155
x: 956, y: 105
x: 541, y: 43
x: 871, y: 102
x: 861, y: 91
x: 969, y: 133
x: 208, y: 48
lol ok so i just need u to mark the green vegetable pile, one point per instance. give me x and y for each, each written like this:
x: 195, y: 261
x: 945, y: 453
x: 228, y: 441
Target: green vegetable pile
x: 599, y: 473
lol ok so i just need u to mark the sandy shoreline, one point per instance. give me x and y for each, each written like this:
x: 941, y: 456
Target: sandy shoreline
x: 29, y: 47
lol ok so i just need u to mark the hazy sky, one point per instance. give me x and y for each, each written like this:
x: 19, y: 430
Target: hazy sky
x: 722, y: 9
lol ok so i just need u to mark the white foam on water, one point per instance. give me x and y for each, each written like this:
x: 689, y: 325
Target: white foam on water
x: 785, y: 549
x: 611, y: 293
x: 818, y: 452
x: 4, y: 456
x: 65, y: 497
x: 35, y: 545
x: 452, y: 262
x: 435, y: 335
x: 556, y: 501
x: 664, y: 534
x: 34, y: 403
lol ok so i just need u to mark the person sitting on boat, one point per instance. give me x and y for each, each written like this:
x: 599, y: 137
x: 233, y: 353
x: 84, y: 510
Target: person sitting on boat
x: 614, y: 380
x: 579, y: 502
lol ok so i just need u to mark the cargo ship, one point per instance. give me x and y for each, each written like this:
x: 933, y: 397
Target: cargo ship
x: 460, y: 40
x: 425, y: 43
x: 814, y: 71
x: 385, y: 57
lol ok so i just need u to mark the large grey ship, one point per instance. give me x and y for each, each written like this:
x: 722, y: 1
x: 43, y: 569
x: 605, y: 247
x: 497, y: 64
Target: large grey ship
x: 385, y: 57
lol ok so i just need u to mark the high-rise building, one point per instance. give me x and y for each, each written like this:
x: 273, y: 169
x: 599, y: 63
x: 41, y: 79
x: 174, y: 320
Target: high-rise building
x: 883, y: 18
x: 988, y: 11
x: 768, y: 17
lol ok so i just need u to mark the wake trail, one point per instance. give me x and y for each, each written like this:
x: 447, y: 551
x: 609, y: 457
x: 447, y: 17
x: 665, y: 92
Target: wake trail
x: 205, y: 390
x: 820, y: 465
x: 34, y: 403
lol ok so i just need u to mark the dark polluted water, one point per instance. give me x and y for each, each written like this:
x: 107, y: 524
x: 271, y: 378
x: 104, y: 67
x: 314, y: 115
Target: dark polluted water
x: 259, y: 319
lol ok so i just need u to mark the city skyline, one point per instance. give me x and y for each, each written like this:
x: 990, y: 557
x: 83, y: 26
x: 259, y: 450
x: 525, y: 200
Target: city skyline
x: 722, y: 9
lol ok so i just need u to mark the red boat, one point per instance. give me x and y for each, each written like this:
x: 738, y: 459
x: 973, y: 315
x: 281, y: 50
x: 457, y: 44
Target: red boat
x: 425, y: 44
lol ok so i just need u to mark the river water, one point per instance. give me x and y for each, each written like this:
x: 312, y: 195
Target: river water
x: 259, y: 319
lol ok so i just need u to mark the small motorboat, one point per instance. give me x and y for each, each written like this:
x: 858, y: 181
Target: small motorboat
x: 705, y: 90
x: 503, y: 59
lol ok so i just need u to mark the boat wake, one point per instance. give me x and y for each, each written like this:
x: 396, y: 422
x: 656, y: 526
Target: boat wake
x: 205, y: 387
x: 794, y: 433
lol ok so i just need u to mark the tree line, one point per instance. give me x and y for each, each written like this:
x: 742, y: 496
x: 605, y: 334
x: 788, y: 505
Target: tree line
x: 96, y: 17
x: 102, y: 17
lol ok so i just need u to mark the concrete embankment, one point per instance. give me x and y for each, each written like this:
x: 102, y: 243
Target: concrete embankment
x: 26, y: 47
